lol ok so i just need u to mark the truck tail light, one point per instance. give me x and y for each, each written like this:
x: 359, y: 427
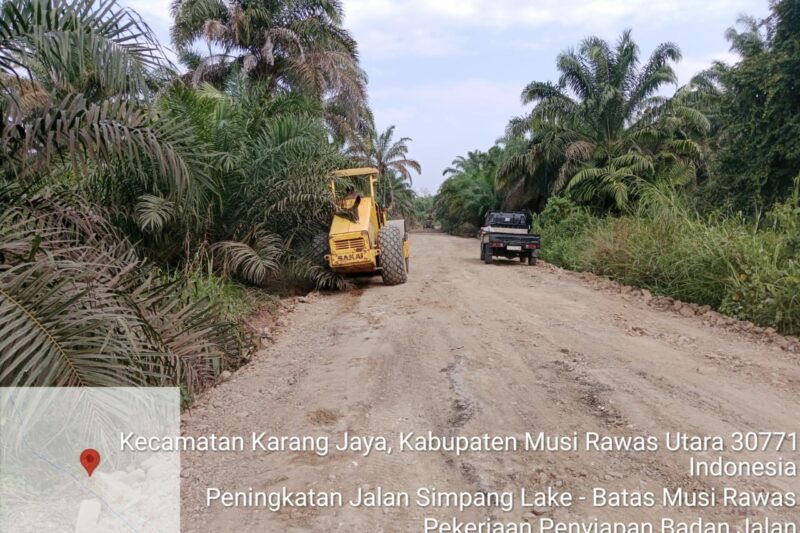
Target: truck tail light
x: 497, y: 245
x: 531, y: 246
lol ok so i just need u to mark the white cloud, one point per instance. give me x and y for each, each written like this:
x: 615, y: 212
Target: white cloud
x: 458, y: 100
x: 151, y: 9
x: 689, y: 66
x: 521, y: 13
x: 386, y: 28
x: 392, y: 42
x: 466, y: 112
x: 446, y: 119
x: 438, y: 28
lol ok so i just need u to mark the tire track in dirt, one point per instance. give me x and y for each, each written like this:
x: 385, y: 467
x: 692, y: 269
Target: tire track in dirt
x: 465, y: 348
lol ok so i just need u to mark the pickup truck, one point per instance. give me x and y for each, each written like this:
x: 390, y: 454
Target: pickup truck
x: 508, y: 234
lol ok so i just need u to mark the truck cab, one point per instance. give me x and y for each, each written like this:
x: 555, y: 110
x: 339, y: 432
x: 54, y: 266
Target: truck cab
x: 508, y: 234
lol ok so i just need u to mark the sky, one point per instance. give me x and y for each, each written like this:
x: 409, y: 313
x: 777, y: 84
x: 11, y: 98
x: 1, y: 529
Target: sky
x: 449, y: 73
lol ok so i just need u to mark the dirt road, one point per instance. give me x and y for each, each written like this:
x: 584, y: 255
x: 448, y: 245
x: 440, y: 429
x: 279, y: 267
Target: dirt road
x: 465, y: 349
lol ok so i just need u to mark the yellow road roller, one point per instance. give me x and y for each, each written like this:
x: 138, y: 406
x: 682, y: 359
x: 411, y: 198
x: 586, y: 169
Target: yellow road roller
x: 361, y: 240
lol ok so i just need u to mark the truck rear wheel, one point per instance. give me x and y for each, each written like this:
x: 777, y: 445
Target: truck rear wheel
x: 487, y: 254
x: 532, y: 260
x: 393, y: 263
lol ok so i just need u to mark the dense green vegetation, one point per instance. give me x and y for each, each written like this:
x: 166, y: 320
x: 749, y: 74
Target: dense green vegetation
x: 749, y: 269
x: 139, y: 200
x: 469, y: 191
x: 145, y: 207
x: 693, y: 195
x: 755, y: 114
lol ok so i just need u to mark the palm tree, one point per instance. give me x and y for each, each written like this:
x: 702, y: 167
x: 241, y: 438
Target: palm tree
x: 77, y: 304
x: 753, y: 108
x: 93, y: 47
x: 397, y: 195
x: 469, y: 191
x: 603, y: 126
x: 298, y: 45
x: 382, y: 152
x: 521, y: 188
x: 74, y: 85
x: 458, y: 166
x: 476, y: 162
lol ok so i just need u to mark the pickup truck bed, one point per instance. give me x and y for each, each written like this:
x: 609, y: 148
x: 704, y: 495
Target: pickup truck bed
x: 505, y: 235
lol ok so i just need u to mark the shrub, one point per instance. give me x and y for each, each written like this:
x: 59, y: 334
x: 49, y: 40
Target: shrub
x: 564, y: 228
x: 743, y: 268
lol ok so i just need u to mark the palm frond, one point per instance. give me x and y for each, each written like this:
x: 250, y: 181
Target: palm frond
x: 253, y: 260
x: 153, y: 213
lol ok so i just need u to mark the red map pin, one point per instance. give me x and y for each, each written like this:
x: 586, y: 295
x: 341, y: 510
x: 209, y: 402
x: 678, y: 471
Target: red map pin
x: 90, y: 459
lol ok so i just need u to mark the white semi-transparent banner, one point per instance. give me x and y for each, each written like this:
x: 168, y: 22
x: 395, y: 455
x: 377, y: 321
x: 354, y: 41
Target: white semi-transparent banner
x: 63, y: 468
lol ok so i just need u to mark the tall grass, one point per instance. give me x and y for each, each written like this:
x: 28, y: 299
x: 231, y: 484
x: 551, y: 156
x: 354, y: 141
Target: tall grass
x: 749, y: 269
